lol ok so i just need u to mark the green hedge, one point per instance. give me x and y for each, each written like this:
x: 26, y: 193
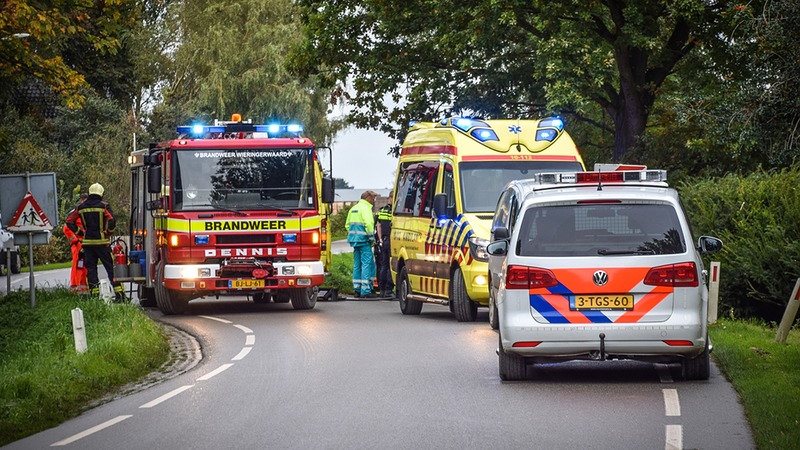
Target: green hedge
x: 758, y: 218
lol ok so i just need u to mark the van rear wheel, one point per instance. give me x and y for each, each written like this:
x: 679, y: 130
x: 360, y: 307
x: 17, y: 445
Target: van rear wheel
x: 463, y: 307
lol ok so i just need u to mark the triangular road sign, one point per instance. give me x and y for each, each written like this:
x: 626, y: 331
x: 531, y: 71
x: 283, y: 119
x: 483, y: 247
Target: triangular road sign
x: 29, y: 217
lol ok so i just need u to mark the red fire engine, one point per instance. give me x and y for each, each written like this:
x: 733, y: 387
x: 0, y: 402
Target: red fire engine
x: 230, y: 209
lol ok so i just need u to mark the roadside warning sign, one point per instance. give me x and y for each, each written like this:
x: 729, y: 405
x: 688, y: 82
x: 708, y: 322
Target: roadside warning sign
x: 29, y: 217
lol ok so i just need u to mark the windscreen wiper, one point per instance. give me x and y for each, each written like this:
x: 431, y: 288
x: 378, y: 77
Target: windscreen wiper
x: 225, y: 208
x: 605, y: 251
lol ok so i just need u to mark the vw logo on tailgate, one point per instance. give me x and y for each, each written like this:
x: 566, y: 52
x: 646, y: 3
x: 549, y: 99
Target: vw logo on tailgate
x: 600, y: 278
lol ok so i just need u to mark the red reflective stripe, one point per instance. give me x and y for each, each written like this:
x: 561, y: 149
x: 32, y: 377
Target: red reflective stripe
x: 429, y: 150
x: 516, y: 157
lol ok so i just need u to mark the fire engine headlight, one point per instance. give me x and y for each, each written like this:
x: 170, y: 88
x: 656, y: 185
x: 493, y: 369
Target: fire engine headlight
x: 288, y: 270
x: 188, y: 272
x: 477, y: 248
x: 304, y: 270
x: 204, y: 272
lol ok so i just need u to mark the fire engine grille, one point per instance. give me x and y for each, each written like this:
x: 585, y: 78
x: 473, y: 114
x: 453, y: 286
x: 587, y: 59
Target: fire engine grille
x: 246, y: 239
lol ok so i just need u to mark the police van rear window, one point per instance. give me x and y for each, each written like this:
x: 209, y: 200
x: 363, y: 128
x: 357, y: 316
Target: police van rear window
x: 601, y: 229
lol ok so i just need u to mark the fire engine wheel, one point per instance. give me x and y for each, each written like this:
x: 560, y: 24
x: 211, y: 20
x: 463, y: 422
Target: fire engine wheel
x: 168, y: 302
x: 304, y: 298
x: 463, y: 307
x: 408, y: 306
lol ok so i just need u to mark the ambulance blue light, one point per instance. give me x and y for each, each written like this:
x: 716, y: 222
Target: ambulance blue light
x: 463, y: 124
x: 546, y: 135
x: 552, y: 122
x: 484, y: 134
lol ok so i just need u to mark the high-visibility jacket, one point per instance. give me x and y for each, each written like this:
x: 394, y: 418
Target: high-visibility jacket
x: 360, y: 224
x: 97, y: 221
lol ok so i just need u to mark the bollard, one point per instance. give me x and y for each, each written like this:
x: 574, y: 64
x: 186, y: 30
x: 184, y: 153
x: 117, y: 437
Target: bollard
x: 789, y: 314
x: 78, y: 330
x: 713, y: 293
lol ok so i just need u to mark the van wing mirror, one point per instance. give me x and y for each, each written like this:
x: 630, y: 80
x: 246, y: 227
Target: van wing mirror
x: 497, y: 248
x: 500, y: 234
x: 708, y: 244
x: 440, y: 206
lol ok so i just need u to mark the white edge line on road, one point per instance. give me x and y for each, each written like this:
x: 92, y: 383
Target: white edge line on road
x: 250, y: 339
x: 214, y: 372
x: 244, y: 328
x: 672, y: 405
x: 216, y: 318
x: 242, y: 354
x: 92, y: 430
x: 166, y: 396
x: 674, y: 437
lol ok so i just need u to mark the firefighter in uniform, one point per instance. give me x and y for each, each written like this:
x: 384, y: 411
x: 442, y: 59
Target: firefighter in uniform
x: 77, y: 276
x: 384, y: 228
x: 360, y: 226
x: 97, y: 222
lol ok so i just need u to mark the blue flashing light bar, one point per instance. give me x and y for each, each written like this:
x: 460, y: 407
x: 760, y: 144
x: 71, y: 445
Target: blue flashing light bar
x: 484, y: 134
x: 552, y: 122
x: 200, y: 131
x: 546, y: 134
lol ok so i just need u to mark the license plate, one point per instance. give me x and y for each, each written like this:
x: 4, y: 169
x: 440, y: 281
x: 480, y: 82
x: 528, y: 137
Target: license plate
x: 601, y: 302
x: 245, y: 284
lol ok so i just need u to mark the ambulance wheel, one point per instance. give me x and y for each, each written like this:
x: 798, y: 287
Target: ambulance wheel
x: 16, y: 263
x: 147, y: 297
x: 494, y: 319
x: 511, y: 367
x: 168, y: 302
x: 304, y: 298
x: 408, y: 306
x: 697, y: 368
x: 261, y: 297
x: 463, y: 307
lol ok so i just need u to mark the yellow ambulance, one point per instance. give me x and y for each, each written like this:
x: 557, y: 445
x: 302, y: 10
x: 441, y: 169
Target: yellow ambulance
x: 449, y: 177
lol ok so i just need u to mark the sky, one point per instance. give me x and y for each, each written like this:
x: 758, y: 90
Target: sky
x: 360, y: 158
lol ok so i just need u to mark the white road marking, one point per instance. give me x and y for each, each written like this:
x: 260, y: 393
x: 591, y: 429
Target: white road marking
x: 672, y: 406
x: 166, y: 396
x: 242, y: 354
x: 244, y: 328
x: 674, y: 437
x: 216, y: 318
x: 250, y: 339
x: 215, y: 372
x: 90, y: 431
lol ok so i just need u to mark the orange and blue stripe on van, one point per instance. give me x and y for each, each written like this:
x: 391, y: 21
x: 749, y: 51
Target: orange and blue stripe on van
x: 556, y: 304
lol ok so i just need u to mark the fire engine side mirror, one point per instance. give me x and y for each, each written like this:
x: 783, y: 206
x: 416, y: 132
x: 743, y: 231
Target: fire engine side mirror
x: 154, y: 179
x: 327, y: 190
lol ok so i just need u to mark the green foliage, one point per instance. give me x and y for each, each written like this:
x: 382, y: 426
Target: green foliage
x: 337, y: 221
x: 758, y: 218
x: 44, y: 381
x: 765, y: 375
x: 341, y: 276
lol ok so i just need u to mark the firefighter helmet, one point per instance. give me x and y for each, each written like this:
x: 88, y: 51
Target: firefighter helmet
x: 97, y: 189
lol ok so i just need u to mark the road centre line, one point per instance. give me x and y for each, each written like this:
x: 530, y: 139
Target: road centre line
x: 250, y: 339
x: 166, y: 396
x: 674, y: 435
x: 672, y: 405
x: 215, y: 372
x: 90, y: 431
x: 242, y: 354
x: 244, y: 328
x: 216, y: 318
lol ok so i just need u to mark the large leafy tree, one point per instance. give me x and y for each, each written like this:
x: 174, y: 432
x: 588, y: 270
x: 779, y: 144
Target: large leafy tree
x: 230, y: 57
x: 603, y: 62
x: 50, y: 41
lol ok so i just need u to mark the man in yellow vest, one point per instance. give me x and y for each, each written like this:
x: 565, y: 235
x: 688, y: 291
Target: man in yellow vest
x: 360, y: 226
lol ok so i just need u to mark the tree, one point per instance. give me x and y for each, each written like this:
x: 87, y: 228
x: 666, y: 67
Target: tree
x: 341, y: 183
x: 602, y: 62
x: 35, y: 35
x: 230, y: 58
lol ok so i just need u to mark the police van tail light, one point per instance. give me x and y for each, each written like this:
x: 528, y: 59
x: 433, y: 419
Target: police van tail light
x: 523, y: 277
x: 674, y: 275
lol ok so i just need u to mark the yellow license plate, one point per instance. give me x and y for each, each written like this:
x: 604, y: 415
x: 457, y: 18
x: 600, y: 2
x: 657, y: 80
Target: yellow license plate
x: 245, y: 284
x: 601, y: 302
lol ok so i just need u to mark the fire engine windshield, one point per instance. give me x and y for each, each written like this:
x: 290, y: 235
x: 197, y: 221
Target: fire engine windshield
x: 482, y: 182
x: 242, y: 179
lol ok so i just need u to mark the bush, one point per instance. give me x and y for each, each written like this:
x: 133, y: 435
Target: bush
x: 758, y: 218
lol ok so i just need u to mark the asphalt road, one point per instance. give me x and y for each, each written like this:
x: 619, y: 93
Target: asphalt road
x: 359, y: 374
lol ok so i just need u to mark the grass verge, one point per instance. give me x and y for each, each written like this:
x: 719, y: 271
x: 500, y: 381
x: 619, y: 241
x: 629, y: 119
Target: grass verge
x: 44, y: 381
x: 766, y: 375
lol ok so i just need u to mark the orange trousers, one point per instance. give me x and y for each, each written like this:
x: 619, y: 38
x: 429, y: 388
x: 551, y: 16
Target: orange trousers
x: 78, y: 281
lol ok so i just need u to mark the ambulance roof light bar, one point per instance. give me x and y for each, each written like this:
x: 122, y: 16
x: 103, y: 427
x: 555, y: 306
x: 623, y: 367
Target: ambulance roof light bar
x: 620, y: 176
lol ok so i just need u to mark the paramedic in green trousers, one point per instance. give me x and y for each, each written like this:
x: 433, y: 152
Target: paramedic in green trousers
x: 360, y: 226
